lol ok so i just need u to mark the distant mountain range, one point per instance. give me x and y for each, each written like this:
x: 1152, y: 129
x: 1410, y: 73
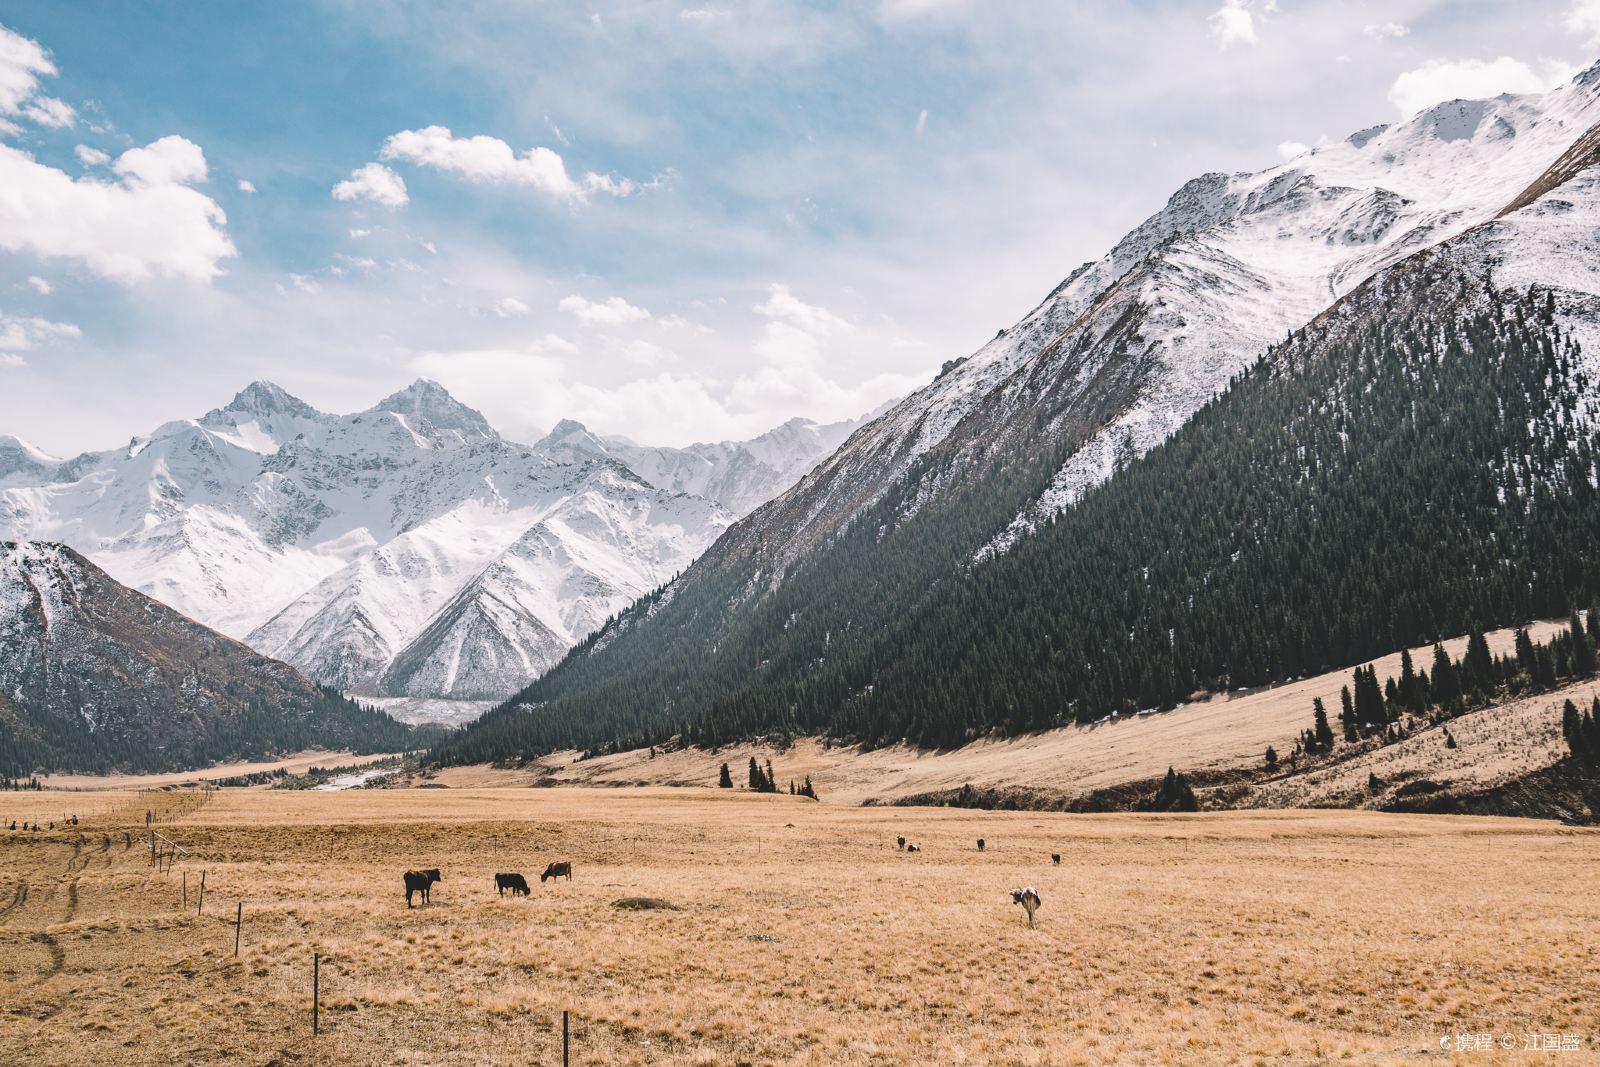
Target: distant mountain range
x: 998, y: 551
x: 406, y: 550
x: 97, y: 677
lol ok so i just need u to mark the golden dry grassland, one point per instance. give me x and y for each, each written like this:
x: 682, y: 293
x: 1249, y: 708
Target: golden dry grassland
x: 803, y: 936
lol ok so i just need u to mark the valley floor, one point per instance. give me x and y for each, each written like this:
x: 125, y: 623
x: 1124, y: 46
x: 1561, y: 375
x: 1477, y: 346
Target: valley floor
x: 803, y: 936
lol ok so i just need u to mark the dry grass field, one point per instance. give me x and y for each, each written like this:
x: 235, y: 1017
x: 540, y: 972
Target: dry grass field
x: 802, y: 936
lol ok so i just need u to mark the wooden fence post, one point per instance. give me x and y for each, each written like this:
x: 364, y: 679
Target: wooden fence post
x: 185, y: 890
x: 566, y: 1040
x: 202, y: 906
x: 238, y: 922
x: 316, y: 969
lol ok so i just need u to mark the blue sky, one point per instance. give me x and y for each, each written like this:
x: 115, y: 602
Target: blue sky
x: 678, y: 221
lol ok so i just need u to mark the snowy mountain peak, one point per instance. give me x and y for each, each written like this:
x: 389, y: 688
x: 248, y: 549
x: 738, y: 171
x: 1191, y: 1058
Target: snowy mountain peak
x: 433, y: 414
x: 266, y: 398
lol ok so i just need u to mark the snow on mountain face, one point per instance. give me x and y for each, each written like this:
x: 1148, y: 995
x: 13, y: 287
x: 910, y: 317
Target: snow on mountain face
x: 1124, y: 350
x: 410, y: 531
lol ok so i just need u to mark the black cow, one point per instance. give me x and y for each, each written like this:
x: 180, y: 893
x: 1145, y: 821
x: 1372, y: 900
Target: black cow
x: 899, y: 842
x: 421, y: 882
x: 1055, y: 858
x: 980, y: 844
x: 514, y: 882
x: 562, y: 869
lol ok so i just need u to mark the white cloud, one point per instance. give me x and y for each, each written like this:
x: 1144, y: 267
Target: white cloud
x: 613, y: 312
x: 172, y: 160
x: 306, y: 284
x: 1439, y: 80
x: 784, y: 306
x: 922, y: 121
x: 1291, y: 149
x: 246, y: 186
x: 1583, y: 17
x: 701, y: 14
x: 375, y: 182
x: 489, y: 160
x: 1233, y: 23
x: 48, y: 111
x: 40, y: 285
x: 23, y: 61
x: 23, y: 334
x: 1385, y: 30
x: 91, y: 157
x: 358, y: 232
x: 509, y: 307
x: 152, y: 223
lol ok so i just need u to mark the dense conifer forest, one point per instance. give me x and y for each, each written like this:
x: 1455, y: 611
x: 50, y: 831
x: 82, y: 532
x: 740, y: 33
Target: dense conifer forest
x: 1378, y: 482
x: 256, y: 728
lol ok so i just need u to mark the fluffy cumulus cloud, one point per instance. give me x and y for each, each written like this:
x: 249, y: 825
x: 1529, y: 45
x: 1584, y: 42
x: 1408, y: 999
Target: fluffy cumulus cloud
x: 613, y: 312
x: 510, y: 307
x: 40, y: 285
x: 23, y: 61
x: 91, y: 157
x: 1233, y: 23
x: 150, y: 223
x: 789, y: 311
x: 374, y: 182
x: 491, y: 161
x: 1292, y: 149
x: 1468, y: 79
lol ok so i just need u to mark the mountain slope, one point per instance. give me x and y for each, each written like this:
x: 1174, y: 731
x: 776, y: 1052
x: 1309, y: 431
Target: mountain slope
x: 345, y: 543
x: 1417, y: 460
x: 95, y: 676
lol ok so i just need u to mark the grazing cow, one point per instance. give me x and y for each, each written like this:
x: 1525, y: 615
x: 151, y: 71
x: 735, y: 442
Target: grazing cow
x: 899, y: 842
x: 913, y: 848
x: 514, y: 882
x: 1028, y: 897
x: 562, y: 869
x: 980, y: 844
x: 421, y: 882
x: 1055, y: 858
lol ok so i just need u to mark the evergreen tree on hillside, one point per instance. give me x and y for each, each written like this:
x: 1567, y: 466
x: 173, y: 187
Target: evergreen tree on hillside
x: 1175, y: 794
x: 1322, y: 733
x: 725, y: 781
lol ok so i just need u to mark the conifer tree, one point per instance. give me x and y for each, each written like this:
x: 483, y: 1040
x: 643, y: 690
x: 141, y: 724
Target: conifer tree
x: 1322, y: 733
x: 726, y: 780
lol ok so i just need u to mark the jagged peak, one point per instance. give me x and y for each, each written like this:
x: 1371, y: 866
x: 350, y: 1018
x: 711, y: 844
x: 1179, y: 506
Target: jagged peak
x: 428, y: 401
x: 262, y: 397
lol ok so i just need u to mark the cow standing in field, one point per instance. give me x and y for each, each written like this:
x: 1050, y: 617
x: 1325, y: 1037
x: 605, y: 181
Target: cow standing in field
x: 980, y: 844
x: 900, y: 842
x: 514, y: 882
x: 421, y: 882
x: 563, y: 869
x: 1028, y: 897
x: 1055, y: 858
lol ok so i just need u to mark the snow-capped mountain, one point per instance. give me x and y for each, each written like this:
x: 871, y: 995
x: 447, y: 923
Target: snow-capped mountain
x: 1125, y: 349
x: 94, y: 675
x: 407, y: 549
x: 891, y: 595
